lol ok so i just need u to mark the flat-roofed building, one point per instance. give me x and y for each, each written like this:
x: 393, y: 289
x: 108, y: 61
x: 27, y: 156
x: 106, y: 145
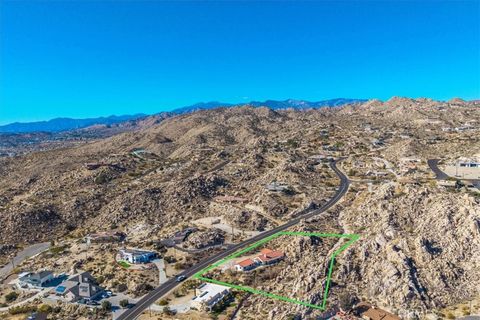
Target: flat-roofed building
x: 137, y: 256
x: 35, y: 279
x: 369, y: 312
x: 210, y: 295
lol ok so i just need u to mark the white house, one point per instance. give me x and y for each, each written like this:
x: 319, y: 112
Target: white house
x: 210, y: 295
x: 245, y: 265
x: 137, y: 256
x: 38, y: 279
x: 469, y: 164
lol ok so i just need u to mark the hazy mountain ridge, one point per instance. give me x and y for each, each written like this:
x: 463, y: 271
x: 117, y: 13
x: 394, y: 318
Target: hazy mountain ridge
x: 66, y: 124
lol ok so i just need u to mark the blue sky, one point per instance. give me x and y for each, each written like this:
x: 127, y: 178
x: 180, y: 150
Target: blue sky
x: 87, y: 58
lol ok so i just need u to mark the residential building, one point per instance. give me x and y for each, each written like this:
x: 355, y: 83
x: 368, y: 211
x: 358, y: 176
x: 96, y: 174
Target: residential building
x: 245, y: 265
x: 378, y: 143
x: 277, y: 187
x: 320, y: 158
x: 103, y: 237
x: 369, y: 312
x: 137, y: 256
x: 81, y: 286
x: 181, y: 236
x: 210, y: 295
x: 469, y: 164
x: 268, y: 257
x: 37, y: 279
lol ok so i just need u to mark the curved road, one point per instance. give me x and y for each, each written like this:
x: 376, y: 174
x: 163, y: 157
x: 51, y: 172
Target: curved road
x: 23, y: 255
x: 439, y: 174
x: 160, y: 291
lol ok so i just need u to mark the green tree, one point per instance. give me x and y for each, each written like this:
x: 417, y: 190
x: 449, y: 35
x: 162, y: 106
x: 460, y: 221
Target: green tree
x: 346, y: 301
x: 45, y: 308
x: 12, y: 296
x: 163, y: 302
x: 123, y: 303
x: 106, y: 305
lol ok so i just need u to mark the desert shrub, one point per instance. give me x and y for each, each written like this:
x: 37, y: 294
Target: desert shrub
x: 178, y: 293
x: 170, y: 259
x: 292, y: 143
x: 163, y: 302
x: 167, y: 311
x: 21, y: 309
x: 106, y: 305
x: 45, y: 308
x: 121, y: 287
x: 12, y: 296
x: 102, y: 178
x: 143, y: 288
x: 57, y: 250
x: 123, y: 303
x: 179, y: 266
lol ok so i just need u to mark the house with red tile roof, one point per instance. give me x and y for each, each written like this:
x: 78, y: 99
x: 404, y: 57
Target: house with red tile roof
x: 265, y: 251
x: 268, y: 257
x: 245, y: 265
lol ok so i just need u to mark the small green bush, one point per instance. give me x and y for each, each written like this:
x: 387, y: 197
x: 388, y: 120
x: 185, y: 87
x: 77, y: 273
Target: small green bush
x: 45, y: 308
x: 123, y: 303
x: 163, y: 302
x: 12, y: 296
x: 106, y: 305
x: 21, y: 309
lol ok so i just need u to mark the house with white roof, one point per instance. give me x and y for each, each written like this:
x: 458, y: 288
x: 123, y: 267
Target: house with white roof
x: 35, y: 279
x: 137, y: 256
x: 210, y: 295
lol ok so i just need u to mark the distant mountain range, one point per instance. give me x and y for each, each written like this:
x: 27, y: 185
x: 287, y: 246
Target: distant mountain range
x: 273, y: 104
x: 65, y: 124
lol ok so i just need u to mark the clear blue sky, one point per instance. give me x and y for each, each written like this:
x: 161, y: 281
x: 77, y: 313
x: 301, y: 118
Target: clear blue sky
x: 87, y: 58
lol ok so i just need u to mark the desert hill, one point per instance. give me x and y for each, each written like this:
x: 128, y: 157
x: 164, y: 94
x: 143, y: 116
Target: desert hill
x: 168, y: 173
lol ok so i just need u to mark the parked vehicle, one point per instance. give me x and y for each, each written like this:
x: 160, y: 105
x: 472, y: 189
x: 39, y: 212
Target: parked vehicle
x: 180, y: 278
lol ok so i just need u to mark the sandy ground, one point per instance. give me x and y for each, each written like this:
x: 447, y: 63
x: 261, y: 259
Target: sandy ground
x: 463, y: 173
x: 223, y: 225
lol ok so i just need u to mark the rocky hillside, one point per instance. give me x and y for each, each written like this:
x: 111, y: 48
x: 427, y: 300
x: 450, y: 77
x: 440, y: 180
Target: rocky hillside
x: 419, y: 246
x: 176, y: 166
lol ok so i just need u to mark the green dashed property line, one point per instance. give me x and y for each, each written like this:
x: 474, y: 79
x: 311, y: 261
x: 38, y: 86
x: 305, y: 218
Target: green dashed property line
x: 352, y: 237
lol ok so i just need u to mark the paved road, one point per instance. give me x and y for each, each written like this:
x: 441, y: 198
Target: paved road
x: 171, y: 283
x: 23, y: 255
x: 194, y: 251
x: 439, y: 174
x: 162, y: 276
x: 35, y: 296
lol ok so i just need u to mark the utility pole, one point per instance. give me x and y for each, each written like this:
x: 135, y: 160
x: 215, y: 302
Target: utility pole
x: 86, y: 250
